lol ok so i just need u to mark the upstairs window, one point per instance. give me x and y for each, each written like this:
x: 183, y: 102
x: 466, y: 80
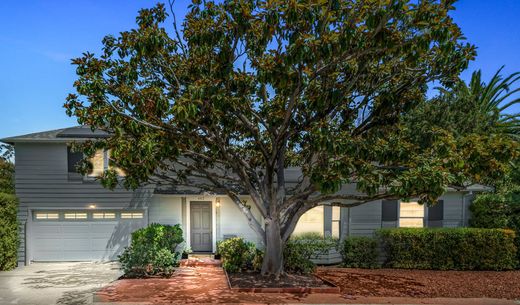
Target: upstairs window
x: 101, y: 162
x: 411, y: 215
x: 73, y: 159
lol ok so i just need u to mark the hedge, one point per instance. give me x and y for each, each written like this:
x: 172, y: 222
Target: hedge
x: 8, y: 231
x: 449, y: 248
x: 360, y: 252
x: 237, y: 255
x: 153, y: 251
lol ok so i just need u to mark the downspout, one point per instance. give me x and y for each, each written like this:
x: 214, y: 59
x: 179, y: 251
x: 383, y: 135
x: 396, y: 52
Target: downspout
x: 464, y: 196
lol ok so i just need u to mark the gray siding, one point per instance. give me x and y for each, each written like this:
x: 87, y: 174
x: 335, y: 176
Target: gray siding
x: 42, y: 181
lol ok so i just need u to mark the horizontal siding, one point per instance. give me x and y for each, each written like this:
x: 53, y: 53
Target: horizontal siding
x: 42, y: 181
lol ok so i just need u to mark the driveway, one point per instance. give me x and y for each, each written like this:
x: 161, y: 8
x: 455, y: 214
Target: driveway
x: 56, y: 283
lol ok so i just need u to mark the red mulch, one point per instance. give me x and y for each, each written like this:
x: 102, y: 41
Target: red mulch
x: 255, y: 280
x: 424, y: 283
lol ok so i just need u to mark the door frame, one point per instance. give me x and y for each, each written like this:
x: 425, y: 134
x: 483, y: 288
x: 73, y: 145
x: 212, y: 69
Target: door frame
x: 212, y: 201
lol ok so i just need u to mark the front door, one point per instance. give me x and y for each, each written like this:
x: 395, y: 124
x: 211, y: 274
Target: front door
x: 201, y: 235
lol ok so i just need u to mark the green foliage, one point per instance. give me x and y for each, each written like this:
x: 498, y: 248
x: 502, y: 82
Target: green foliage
x: 489, y: 210
x: 248, y: 88
x: 6, y: 177
x: 498, y: 210
x: 360, y: 252
x: 8, y: 231
x: 153, y: 251
x: 449, y: 248
x: 300, y: 249
x: 237, y: 254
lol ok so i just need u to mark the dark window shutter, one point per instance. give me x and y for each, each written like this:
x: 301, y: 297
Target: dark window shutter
x: 436, y: 212
x: 389, y: 212
x: 73, y: 159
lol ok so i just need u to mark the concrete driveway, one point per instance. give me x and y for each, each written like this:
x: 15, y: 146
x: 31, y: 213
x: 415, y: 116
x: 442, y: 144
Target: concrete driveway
x: 56, y: 283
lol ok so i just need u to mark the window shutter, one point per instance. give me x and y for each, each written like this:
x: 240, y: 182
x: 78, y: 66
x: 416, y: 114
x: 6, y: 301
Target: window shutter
x: 73, y: 158
x: 389, y: 212
x: 436, y: 212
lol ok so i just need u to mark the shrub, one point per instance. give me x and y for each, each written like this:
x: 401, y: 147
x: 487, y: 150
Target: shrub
x: 498, y: 210
x: 489, y: 211
x: 300, y: 249
x: 449, y: 248
x: 153, y: 251
x: 237, y: 254
x: 360, y: 252
x: 8, y: 231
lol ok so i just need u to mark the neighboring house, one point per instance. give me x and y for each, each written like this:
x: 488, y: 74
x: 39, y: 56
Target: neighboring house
x: 67, y: 217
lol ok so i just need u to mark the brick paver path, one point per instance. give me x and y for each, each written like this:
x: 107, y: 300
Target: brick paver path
x: 207, y: 284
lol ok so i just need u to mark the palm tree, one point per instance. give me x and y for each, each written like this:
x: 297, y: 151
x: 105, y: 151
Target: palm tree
x: 492, y: 103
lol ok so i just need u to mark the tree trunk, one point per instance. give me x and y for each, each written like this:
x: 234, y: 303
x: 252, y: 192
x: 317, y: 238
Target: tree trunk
x: 273, y: 256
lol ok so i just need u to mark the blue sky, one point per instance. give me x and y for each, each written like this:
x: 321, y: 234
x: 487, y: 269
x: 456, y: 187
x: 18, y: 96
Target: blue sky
x: 38, y: 38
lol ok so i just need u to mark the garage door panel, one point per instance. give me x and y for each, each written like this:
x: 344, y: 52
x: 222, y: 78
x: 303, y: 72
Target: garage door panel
x: 81, y: 240
x: 46, y: 229
x: 72, y: 244
x: 48, y: 244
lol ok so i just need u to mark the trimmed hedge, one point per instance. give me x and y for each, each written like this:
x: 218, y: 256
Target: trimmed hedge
x: 153, y: 251
x: 300, y: 249
x: 360, y: 252
x: 449, y: 248
x: 8, y: 231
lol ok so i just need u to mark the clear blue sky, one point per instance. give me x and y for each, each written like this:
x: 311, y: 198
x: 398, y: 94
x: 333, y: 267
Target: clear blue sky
x: 38, y: 39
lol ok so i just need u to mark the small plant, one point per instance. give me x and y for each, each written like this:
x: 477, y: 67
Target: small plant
x: 300, y: 250
x: 237, y: 255
x: 360, y: 252
x: 186, y: 251
x: 153, y: 251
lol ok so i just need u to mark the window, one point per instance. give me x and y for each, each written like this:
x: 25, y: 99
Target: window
x: 73, y: 215
x: 411, y: 215
x: 98, y: 163
x: 131, y: 215
x: 47, y: 216
x: 311, y: 221
x: 73, y: 158
x: 336, y: 217
x: 101, y: 162
x: 104, y: 215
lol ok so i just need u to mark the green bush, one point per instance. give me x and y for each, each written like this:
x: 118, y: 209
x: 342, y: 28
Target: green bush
x: 489, y: 211
x: 153, y: 251
x: 300, y: 249
x: 449, y: 248
x: 237, y: 254
x: 360, y: 252
x: 8, y: 231
x: 498, y: 210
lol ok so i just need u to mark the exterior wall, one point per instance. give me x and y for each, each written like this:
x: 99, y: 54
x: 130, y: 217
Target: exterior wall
x: 42, y: 181
x: 364, y: 219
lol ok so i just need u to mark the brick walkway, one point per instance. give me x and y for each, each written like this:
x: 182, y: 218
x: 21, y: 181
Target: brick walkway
x: 205, y: 283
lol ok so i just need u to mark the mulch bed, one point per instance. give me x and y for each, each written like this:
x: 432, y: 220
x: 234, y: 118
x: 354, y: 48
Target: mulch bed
x: 290, y: 283
x: 424, y: 283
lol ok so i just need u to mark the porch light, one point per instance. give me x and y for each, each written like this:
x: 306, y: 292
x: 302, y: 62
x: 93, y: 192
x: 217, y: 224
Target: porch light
x: 92, y: 206
x: 217, y: 201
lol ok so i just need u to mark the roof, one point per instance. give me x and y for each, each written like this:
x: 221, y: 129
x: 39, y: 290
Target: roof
x: 58, y: 135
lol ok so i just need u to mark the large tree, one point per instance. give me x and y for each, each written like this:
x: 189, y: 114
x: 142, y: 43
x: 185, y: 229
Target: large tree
x: 248, y: 88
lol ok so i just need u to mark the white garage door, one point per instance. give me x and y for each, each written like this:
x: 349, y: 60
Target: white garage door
x: 82, y: 235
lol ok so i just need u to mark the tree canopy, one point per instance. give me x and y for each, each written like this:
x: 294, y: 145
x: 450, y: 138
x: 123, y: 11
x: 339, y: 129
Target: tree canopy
x: 247, y: 89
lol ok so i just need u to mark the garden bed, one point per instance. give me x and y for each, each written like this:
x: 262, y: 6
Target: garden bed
x: 424, y: 283
x: 289, y: 283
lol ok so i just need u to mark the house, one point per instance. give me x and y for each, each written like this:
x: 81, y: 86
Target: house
x: 65, y: 216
